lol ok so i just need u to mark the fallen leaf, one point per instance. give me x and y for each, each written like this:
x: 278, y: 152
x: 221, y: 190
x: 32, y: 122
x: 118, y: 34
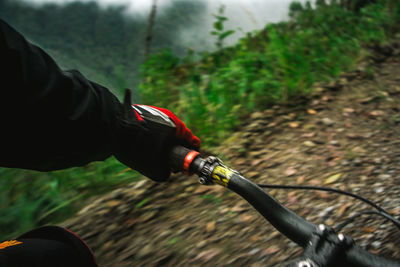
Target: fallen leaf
x: 309, y: 143
x: 241, y: 161
x: 273, y: 164
x: 293, y: 124
x: 252, y: 174
x: 113, y: 203
x: 291, y: 198
x: 368, y: 229
x: 343, y: 208
x: 354, y: 136
x: 376, y: 113
x: 290, y: 171
x: 271, y: 250
x: 368, y: 135
x: 245, y: 218
x: 366, y: 100
x: 331, y: 163
x: 256, y: 162
x: 311, y: 111
x: 225, y: 210
x: 107, y: 245
x: 201, y: 190
x: 327, y: 121
x: 147, y: 216
x: 314, y: 182
x: 255, y: 238
x: 130, y: 222
x: 300, y: 180
x: 309, y: 126
x: 239, y: 208
x: 348, y: 110
x: 333, y: 178
x: 326, y: 98
x: 386, y: 94
x: 312, y: 134
x: 210, y: 227
x: 208, y: 254
x: 323, y: 195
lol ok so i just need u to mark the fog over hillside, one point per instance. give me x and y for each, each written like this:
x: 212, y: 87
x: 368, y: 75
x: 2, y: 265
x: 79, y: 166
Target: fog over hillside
x: 244, y: 16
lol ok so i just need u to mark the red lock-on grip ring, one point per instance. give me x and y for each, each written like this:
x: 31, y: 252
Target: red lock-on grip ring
x: 188, y: 160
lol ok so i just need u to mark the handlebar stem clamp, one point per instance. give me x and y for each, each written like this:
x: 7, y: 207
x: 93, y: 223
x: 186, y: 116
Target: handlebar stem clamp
x: 325, y: 248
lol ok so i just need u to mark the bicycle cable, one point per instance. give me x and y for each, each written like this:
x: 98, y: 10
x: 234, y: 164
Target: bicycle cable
x: 380, y: 211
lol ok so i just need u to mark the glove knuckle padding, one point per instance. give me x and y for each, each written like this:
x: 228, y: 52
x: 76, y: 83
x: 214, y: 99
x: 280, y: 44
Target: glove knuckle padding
x: 143, y: 146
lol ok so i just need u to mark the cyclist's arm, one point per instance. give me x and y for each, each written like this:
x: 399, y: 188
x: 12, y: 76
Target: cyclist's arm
x: 50, y: 119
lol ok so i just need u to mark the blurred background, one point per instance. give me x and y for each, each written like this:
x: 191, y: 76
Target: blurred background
x: 106, y: 41
x: 211, y: 62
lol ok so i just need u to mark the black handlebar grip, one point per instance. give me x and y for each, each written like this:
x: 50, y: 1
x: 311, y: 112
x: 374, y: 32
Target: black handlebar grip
x: 177, y: 158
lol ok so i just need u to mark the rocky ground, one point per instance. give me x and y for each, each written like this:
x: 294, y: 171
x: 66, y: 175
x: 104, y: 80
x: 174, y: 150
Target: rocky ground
x: 345, y: 135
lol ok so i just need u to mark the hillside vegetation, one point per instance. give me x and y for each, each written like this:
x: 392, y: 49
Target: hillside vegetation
x: 273, y: 66
x: 211, y: 94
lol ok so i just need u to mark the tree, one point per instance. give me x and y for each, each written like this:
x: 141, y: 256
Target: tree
x: 355, y: 5
x: 150, y: 26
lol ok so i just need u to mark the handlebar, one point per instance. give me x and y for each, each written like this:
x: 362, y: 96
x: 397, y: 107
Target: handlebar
x: 294, y: 227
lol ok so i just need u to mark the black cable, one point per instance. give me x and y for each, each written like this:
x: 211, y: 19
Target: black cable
x: 381, y: 212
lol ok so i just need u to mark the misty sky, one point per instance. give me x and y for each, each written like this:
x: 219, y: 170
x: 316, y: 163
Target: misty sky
x: 244, y: 15
x: 276, y: 6
x: 255, y: 12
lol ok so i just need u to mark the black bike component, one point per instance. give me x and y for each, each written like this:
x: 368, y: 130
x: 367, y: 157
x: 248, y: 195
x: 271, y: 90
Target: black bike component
x: 295, y: 227
x: 205, y: 174
x: 381, y: 212
x: 177, y: 158
x: 325, y: 249
x: 288, y: 223
x: 181, y: 159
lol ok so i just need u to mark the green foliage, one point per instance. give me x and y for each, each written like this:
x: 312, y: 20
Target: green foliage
x: 211, y: 198
x: 173, y: 241
x: 155, y: 70
x: 221, y: 34
x: 278, y: 64
x: 30, y: 198
x: 142, y: 203
x: 219, y: 28
x: 295, y: 8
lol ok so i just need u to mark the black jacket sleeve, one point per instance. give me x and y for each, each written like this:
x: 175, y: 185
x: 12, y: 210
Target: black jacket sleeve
x: 50, y: 119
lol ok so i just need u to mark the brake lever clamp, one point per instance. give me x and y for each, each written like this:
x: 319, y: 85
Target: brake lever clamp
x: 325, y: 248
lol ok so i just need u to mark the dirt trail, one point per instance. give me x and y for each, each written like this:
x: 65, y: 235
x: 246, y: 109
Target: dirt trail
x: 346, y: 135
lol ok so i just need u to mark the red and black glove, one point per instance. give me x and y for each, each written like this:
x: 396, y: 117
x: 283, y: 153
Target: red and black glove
x: 145, y: 136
